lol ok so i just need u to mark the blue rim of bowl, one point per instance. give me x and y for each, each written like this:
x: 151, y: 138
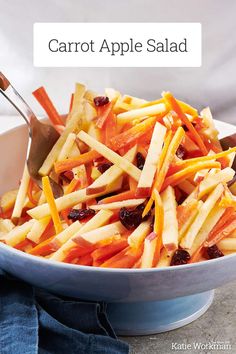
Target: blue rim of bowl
x: 57, y: 264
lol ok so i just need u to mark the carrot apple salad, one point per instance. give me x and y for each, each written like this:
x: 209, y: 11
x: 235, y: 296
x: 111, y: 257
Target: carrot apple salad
x: 146, y: 184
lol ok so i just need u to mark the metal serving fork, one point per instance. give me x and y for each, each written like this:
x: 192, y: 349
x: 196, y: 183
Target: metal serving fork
x: 42, y: 136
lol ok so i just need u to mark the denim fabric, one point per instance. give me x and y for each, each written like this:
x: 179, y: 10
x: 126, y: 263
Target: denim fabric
x: 33, y: 321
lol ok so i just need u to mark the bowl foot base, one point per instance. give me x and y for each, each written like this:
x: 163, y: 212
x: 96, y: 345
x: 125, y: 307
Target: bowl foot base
x: 144, y: 318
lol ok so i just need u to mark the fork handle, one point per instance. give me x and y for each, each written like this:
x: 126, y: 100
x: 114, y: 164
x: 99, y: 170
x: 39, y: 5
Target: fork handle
x: 16, y: 100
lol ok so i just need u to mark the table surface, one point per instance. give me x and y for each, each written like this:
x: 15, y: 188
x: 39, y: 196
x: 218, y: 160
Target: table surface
x: 216, y: 325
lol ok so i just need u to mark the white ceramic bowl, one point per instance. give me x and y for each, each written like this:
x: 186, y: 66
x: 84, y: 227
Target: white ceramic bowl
x: 140, y: 301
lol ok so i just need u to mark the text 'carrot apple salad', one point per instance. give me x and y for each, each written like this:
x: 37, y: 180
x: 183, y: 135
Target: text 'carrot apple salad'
x: 146, y: 184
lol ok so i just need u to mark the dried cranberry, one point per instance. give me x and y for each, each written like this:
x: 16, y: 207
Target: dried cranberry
x: 180, y: 257
x: 140, y: 160
x: 214, y: 252
x: 101, y: 101
x: 80, y: 214
x: 152, y: 223
x: 181, y: 152
x: 66, y: 176
x: 182, y: 198
x: 104, y: 166
x: 132, y: 218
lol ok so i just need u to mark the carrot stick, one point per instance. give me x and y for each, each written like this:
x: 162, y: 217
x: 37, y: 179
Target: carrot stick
x: 184, y: 212
x: 167, y: 155
x: 216, y: 147
x: 187, y: 172
x: 158, y: 249
x: 42, y: 97
x: 228, y: 214
x: 132, y: 184
x: 44, y: 248
x: 185, y: 107
x: 6, y: 214
x: 130, y: 135
x: 48, y: 232
x: 74, y: 184
x: 118, y: 197
x: 21, y: 246
x: 30, y: 192
x: 52, y: 205
x: 85, y: 260
x: 77, y: 252
x: 110, y: 128
x: 158, y: 226
x: 194, y: 160
x: 159, y: 214
x: 176, y: 107
x: 124, y: 259
x: 68, y: 164
x: 109, y: 250
x: 170, y: 153
x: 165, y: 148
x: 103, y: 113
x: 224, y: 232
x: 64, y: 214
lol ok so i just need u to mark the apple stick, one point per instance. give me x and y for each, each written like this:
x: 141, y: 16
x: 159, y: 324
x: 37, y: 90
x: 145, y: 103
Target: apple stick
x: 67, y: 243
x: 170, y: 229
x: 65, y: 151
x: 100, y: 233
x: 137, y: 237
x: 183, y: 227
x: 71, y: 199
x: 211, y: 181
x: 18, y: 234
x: 117, y: 205
x: 111, y: 174
x: 6, y: 225
x: 187, y: 172
x: 37, y: 229
x: 80, y: 91
x: 73, y: 125
x: 208, y: 205
x: 227, y: 244
x: 8, y: 200
x: 149, y: 251
x: 165, y: 258
x: 206, y: 228
x: 141, y: 112
x: 151, y: 162
x: 211, y: 132
x: 170, y: 149
x: 112, y: 156
x: 21, y: 195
